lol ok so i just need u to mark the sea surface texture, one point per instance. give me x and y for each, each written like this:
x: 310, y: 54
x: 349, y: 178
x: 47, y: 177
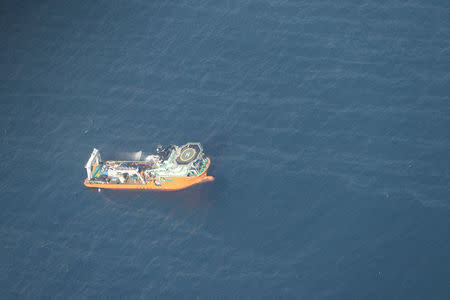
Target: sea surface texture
x: 327, y: 123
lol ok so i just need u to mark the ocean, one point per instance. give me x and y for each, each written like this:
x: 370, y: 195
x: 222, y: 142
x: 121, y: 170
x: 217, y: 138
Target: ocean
x: 327, y: 123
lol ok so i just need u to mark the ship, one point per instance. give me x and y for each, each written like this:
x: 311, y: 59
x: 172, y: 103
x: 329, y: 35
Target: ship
x: 171, y: 168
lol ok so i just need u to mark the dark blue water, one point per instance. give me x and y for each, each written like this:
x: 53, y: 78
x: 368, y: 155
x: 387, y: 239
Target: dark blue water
x: 327, y: 123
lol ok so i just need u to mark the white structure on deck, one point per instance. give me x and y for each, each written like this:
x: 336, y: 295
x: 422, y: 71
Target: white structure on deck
x: 95, y: 158
x: 173, y: 161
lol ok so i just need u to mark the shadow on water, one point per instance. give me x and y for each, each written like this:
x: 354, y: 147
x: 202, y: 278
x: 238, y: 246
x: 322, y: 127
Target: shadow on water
x: 195, y: 201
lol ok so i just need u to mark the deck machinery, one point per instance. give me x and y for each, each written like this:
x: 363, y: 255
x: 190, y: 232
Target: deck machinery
x: 171, y: 168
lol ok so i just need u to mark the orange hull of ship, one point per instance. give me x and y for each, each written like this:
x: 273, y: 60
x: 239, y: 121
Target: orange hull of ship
x: 168, y: 184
